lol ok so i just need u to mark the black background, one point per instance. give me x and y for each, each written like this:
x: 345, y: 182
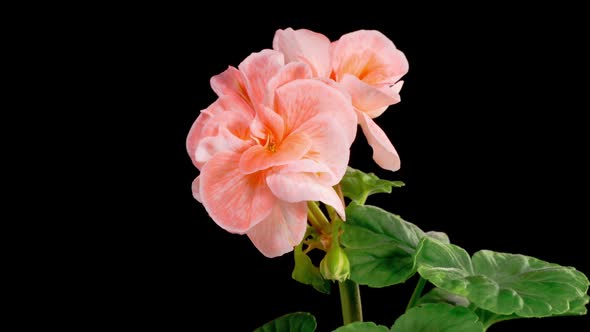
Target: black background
x: 490, y: 131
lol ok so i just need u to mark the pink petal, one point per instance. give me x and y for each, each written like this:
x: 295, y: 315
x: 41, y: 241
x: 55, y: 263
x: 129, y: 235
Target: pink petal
x: 301, y: 187
x: 324, y: 115
x: 235, y: 201
x: 225, y: 140
x: 225, y: 131
x: 384, y: 153
x: 397, y: 87
x: 227, y: 111
x: 258, y: 157
x: 324, y: 174
x: 259, y: 69
x: 306, y: 46
x: 195, y: 136
x: 267, y: 122
x: 368, y: 98
x: 282, y: 230
x: 230, y: 112
x: 230, y: 82
x: 290, y: 72
x: 370, y: 56
x: 195, y: 189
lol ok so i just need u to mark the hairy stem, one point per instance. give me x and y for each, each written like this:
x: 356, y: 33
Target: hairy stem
x: 417, y: 293
x: 317, y: 218
x: 350, y: 298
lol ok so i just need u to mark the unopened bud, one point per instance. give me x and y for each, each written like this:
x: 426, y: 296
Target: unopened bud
x: 335, y: 265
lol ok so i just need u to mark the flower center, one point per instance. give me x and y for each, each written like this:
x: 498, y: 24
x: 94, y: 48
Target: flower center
x: 271, y: 147
x: 267, y: 142
x: 270, y: 144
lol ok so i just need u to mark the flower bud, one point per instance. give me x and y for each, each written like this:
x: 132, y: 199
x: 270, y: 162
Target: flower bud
x: 335, y: 265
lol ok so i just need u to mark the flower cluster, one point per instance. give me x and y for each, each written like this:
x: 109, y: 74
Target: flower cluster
x: 280, y: 131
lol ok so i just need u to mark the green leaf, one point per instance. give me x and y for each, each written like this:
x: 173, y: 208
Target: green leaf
x: 362, y: 327
x: 524, y: 285
x: 441, y: 236
x: 358, y: 185
x: 488, y: 318
x: 381, y: 247
x: 502, y: 283
x: 438, y: 295
x: 438, y: 317
x: 577, y: 307
x: 307, y: 273
x: 445, y: 265
x: 294, y: 322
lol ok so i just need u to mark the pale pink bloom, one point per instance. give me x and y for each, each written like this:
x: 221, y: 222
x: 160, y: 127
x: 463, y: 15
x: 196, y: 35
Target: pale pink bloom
x: 274, y: 140
x: 366, y: 64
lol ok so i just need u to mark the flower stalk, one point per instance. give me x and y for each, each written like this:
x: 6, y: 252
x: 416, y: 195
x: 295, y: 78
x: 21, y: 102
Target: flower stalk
x: 350, y: 299
x: 417, y: 293
x: 317, y: 218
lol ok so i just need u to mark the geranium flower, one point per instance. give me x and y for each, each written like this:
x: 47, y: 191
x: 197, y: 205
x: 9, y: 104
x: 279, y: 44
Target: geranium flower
x: 274, y: 140
x: 366, y: 64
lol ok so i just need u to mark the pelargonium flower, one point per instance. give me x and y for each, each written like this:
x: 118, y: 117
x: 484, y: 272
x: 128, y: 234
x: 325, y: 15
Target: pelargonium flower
x: 273, y: 140
x: 366, y: 64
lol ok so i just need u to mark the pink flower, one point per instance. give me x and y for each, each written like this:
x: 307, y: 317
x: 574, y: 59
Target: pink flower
x: 366, y: 64
x: 274, y: 140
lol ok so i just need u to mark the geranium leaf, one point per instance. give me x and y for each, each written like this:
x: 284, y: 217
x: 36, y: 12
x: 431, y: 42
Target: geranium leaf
x: 381, y: 246
x: 438, y: 317
x: 294, y: 322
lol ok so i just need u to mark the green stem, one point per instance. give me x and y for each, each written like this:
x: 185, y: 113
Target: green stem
x: 350, y: 298
x: 417, y: 293
x: 318, y: 219
x: 364, y: 198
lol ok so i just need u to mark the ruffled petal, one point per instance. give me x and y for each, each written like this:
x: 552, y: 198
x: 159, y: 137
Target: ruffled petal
x: 282, y: 230
x: 384, y: 153
x: 196, y: 189
x: 324, y: 174
x: 225, y: 140
x: 231, y: 83
x: 195, y: 134
x: 258, y: 69
x: 267, y: 122
x: 307, y: 46
x: 367, y: 98
x: 228, y: 112
x: 235, y: 201
x: 258, y: 157
x: 370, y: 56
x: 325, y: 115
x: 290, y: 72
x: 301, y: 187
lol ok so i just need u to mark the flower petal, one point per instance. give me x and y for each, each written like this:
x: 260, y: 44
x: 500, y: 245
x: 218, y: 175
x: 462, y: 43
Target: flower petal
x: 258, y: 157
x: 301, y: 187
x: 227, y: 111
x: 370, y: 56
x: 267, y: 120
x: 195, y: 136
x: 225, y: 130
x: 235, y: 201
x: 225, y: 140
x: 324, y: 174
x: 195, y: 189
x: 282, y: 230
x: 258, y: 69
x: 290, y: 72
x: 368, y: 98
x: 230, y: 83
x: 307, y: 46
x: 384, y: 153
x: 325, y: 115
